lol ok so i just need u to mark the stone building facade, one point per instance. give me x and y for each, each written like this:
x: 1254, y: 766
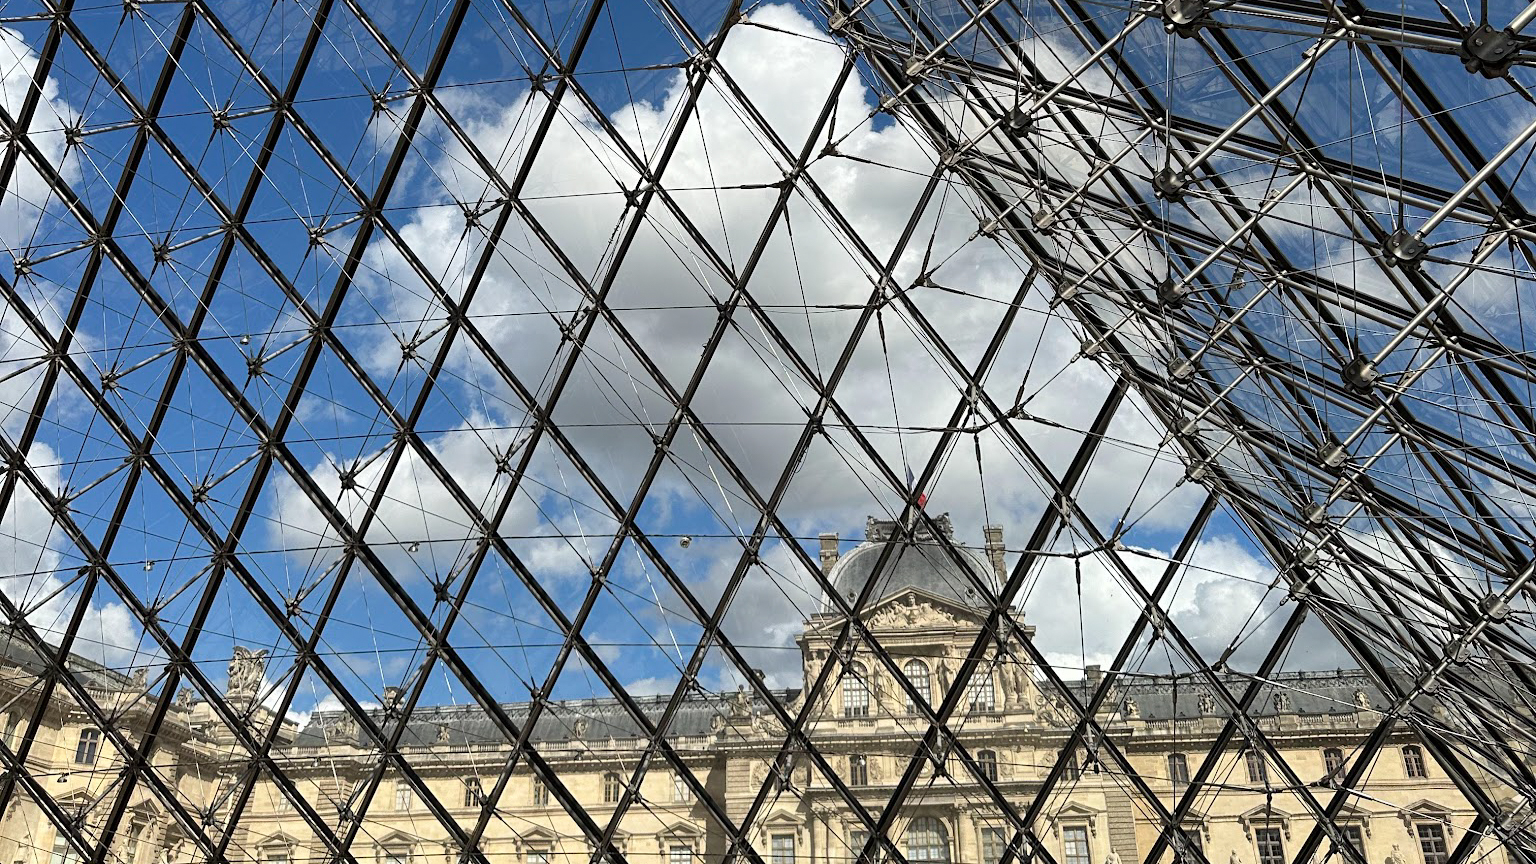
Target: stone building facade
x: 864, y: 726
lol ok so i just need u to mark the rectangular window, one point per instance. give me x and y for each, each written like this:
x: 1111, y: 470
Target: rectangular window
x: 1074, y: 845
x: 63, y: 853
x: 1270, y: 849
x: 403, y: 797
x: 1258, y: 770
x: 474, y: 795
x: 855, y: 694
x: 1413, y: 762
x: 993, y: 842
x: 1432, y: 843
x: 538, y: 856
x: 980, y: 693
x: 1333, y: 760
x: 540, y: 793
x: 396, y: 855
x: 680, y: 854
x: 85, y: 751
x: 1071, y: 771
x: 1196, y: 840
x: 1355, y: 836
x: 856, y: 841
x: 1178, y: 769
x: 858, y: 770
x: 781, y: 849
x: 681, y: 791
x: 276, y: 856
x: 135, y: 834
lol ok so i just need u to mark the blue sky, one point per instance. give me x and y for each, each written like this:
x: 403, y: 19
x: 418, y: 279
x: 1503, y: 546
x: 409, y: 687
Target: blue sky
x: 811, y: 280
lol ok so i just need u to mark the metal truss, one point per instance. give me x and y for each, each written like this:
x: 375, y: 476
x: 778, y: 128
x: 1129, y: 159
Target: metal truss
x: 1347, y: 439
x: 238, y: 365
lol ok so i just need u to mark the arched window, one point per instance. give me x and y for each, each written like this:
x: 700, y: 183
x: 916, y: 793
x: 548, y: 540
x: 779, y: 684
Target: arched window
x: 927, y: 840
x: 1413, y: 761
x: 1178, y: 769
x: 981, y: 694
x: 917, y: 673
x: 1257, y: 772
x: 611, y: 787
x: 986, y: 761
x: 855, y: 692
x: 1333, y: 760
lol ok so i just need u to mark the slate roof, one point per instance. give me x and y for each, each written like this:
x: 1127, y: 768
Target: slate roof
x: 16, y: 653
x: 447, y: 726
x: 1332, y: 692
x: 919, y: 562
x: 1309, y: 693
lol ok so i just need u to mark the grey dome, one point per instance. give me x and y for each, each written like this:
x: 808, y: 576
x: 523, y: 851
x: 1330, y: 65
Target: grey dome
x: 918, y: 560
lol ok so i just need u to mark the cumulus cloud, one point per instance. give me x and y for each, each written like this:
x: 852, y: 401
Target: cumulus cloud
x: 36, y: 573
x: 665, y: 293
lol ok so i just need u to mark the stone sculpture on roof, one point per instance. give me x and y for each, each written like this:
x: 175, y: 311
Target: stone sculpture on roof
x: 246, y: 669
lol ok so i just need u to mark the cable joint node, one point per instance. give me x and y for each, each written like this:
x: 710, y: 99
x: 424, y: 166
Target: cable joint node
x: 1360, y: 374
x: 1494, y: 607
x: 1405, y: 249
x: 1489, y: 52
x: 1169, y: 184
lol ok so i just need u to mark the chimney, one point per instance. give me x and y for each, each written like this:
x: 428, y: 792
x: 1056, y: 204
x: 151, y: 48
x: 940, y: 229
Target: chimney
x: 994, y: 535
x: 828, y: 553
x: 1094, y: 673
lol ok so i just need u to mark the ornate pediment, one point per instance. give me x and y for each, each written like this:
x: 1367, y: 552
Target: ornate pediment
x: 1077, y: 813
x: 915, y: 609
x: 279, y: 840
x: 1265, y: 816
x: 1426, y: 810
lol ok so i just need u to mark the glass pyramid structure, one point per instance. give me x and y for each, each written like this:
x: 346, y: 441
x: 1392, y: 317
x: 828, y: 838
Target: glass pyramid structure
x: 978, y: 430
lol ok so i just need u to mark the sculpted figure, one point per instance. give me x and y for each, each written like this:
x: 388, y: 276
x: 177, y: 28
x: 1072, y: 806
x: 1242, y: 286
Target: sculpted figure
x: 1018, y: 685
x: 1362, y: 700
x: 1282, y: 701
x: 1206, y: 703
x: 245, y: 671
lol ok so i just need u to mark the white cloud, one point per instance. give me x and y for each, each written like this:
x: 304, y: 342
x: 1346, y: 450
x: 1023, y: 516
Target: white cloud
x: 36, y: 574
x: 665, y: 294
